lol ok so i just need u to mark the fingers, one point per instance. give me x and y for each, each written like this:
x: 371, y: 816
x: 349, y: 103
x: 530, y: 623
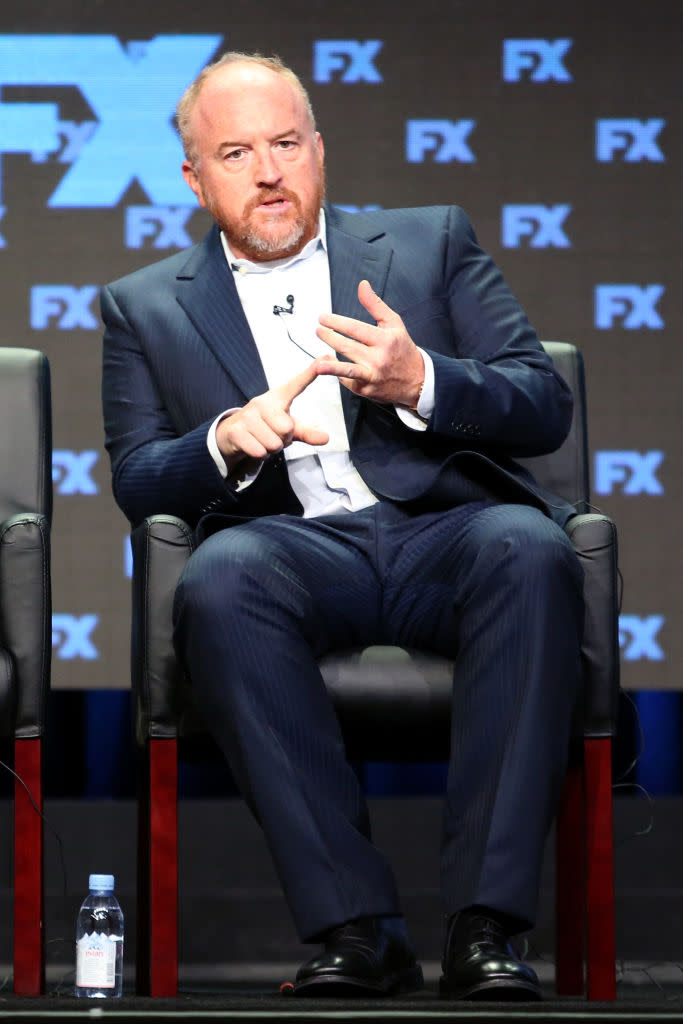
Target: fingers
x: 352, y: 338
x: 256, y: 432
x: 260, y: 438
x: 376, y: 307
x: 337, y: 368
x: 335, y: 330
x: 310, y: 435
x: 287, y: 392
x: 264, y: 425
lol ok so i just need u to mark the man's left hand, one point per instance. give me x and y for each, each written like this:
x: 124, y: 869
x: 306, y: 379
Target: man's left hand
x: 385, y: 364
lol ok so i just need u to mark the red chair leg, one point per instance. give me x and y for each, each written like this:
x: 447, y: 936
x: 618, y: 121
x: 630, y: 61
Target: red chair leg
x: 163, y: 867
x: 142, y: 884
x: 29, y: 942
x: 570, y: 893
x: 600, y: 941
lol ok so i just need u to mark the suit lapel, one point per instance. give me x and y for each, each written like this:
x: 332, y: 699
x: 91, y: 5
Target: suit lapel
x: 206, y: 291
x: 357, y: 250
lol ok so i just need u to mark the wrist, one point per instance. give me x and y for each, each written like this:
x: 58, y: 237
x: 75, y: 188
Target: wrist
x: 419, y: 378
x: 230, y: 452
x: 416, y: 393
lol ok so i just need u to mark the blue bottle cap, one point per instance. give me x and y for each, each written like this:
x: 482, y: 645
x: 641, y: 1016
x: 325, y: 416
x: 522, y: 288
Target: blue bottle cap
x: 101, y: 883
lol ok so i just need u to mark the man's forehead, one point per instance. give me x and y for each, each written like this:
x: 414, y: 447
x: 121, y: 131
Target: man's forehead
x: 240, y: 85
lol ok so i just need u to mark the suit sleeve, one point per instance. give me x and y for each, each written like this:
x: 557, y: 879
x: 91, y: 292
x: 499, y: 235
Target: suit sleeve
x: 154, y: 470
x: 501, y: 389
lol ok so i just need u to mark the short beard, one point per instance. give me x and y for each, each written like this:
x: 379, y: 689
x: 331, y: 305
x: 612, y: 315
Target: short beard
x: 260, y: 247
x: 257, y: 247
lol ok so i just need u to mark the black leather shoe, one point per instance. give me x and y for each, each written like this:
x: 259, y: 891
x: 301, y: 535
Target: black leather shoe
x: 366, y: 957
x: 480, y: 963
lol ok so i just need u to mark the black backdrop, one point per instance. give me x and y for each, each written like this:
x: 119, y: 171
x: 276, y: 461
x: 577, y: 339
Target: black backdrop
x: 557, y: 126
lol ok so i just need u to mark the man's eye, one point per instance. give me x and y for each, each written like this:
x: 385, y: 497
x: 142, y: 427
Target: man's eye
x: 234, y: 154
x: 286, y: 144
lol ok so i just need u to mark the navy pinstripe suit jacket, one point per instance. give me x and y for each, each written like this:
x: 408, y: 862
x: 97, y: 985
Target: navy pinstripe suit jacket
x: 178, y: 350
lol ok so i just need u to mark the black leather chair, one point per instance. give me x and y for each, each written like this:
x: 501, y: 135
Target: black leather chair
x: 25, y: 631
x: 395, y: 705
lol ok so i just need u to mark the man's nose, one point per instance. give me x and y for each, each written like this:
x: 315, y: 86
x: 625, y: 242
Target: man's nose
x: 267, y: 168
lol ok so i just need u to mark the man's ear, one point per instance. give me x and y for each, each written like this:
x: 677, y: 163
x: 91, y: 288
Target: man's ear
x: 191, y: 178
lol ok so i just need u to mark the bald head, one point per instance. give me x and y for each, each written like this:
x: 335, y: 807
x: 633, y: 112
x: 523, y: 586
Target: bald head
x: 245, y: 70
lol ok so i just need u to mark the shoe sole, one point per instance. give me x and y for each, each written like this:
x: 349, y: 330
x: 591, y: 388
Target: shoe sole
x: 503, y: 990
x: 331, y: 986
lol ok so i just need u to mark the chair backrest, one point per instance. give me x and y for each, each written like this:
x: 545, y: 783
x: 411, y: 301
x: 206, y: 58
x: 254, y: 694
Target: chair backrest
x: 25, y: 433
x: 565, y: 471
x: 25, y: 518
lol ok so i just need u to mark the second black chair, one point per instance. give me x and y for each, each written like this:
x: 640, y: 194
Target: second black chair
x: 25, y: 632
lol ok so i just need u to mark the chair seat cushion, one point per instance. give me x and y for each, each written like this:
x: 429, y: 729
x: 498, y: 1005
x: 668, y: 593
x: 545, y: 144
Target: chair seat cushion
x: 384, y: 694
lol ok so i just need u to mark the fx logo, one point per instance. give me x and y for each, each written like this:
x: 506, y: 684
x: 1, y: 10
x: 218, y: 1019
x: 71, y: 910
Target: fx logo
x: 541, y: 225
x: 71, y: 471
x: 347, y: 60
x: 71, y: 636
x: 632, y: 304
x: 539, y: 60
x: 127, y: 558
x: 164, y: 226
x: 636, y: 140
x: 638, y: 637
x: 445, y: 139
x: 350, y: 208
x: 632, y: 472
x: 65, y: 305
x: 132, y: 90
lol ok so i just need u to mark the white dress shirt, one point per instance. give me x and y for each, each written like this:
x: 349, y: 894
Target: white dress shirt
x: 323, y: 477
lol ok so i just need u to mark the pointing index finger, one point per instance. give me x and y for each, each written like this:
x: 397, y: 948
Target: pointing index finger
x: 291, y: 388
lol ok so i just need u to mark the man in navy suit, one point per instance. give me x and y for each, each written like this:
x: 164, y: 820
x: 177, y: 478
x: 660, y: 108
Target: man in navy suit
x: 337, y: 403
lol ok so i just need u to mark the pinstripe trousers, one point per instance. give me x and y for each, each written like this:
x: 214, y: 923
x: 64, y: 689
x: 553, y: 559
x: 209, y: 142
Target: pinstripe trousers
x: 495, y: 586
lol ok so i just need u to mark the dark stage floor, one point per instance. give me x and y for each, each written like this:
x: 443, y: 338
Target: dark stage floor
x: 256, y: 1007
x: 237, y: 942
x: 249, y: 993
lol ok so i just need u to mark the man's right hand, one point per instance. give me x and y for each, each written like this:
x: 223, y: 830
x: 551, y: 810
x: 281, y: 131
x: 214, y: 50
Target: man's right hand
x: 265, y: 426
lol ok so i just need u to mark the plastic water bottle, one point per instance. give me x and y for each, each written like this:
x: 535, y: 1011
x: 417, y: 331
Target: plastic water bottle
x: 99, y: 941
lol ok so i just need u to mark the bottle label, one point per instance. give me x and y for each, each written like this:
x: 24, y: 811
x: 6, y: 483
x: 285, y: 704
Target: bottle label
x: 96, y: 960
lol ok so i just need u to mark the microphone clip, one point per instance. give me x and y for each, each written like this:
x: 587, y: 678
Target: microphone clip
x: 284, y: 309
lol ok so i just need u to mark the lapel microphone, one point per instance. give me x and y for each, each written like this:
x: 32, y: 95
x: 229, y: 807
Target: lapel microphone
x: 285, y: 309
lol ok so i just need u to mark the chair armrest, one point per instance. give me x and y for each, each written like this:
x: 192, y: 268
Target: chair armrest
x: 594, y: 538
x: 25, y: 615
x: 8, y: 693
x: 161, y: 547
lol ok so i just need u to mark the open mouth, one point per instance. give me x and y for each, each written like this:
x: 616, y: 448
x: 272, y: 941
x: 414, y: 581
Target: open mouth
x: 274, y: 204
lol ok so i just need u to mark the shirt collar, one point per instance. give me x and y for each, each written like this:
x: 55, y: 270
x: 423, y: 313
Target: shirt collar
x: 244, y: 266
